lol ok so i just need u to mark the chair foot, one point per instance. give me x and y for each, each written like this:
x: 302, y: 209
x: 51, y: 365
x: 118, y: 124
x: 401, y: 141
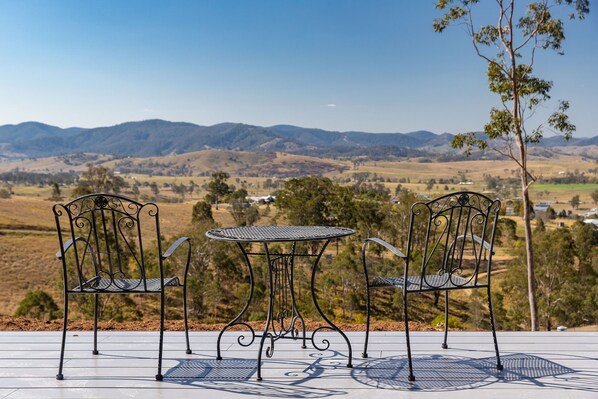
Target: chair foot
x: 349, y: 365
x: 499, y: 367
x: 59, y: 377
x: 188, y: 351
x: 258, y: 379
x: 218, y: 357
x: 95, y: 352
x: 444, y: 346
x: 159, y: 377
x: 364, y: 355
x: 303, y: 346
x: 411, y: 378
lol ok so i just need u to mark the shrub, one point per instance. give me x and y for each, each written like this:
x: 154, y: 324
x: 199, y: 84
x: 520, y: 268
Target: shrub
x: 38, y: 305
x: 4, y: 193
x: 438, y: 322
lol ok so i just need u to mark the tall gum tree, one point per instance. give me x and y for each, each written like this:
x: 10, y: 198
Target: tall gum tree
x: 508, y: 45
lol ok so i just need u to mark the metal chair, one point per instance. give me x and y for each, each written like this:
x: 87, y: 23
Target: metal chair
x: 450, y: 246
x: 102, y: 252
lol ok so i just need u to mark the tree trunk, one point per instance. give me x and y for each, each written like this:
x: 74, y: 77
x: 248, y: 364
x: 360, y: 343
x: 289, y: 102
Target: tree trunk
x: 531, y: 278
x: 521, y: 145
x: 527, y: 219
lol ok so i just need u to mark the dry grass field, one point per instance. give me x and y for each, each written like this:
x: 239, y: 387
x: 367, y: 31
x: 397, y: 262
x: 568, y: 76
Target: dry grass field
x: 475, y: 170
x: 24, y: 212
x: 27, y: 262
x: 245, y: 166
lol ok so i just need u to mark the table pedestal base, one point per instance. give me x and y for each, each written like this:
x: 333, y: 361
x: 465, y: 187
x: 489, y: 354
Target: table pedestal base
x: 283, y: 316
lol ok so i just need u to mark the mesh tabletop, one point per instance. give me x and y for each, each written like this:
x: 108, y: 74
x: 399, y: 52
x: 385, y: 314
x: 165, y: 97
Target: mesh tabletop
x: 278, y: 233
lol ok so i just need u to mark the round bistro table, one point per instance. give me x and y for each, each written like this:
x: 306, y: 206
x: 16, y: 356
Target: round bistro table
x: 281, y: 323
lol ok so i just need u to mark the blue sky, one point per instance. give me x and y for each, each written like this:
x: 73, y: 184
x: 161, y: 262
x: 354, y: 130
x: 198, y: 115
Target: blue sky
x: 334, y: 64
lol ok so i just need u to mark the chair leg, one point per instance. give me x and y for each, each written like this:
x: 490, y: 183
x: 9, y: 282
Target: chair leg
x: 446, y: 319
x: 367, y: 323
x: 95, y: 324
x: 411, y: 376
x: 60, y: 376
x: 498, y: 363
x: 159, y: 376
x: 188, y: 351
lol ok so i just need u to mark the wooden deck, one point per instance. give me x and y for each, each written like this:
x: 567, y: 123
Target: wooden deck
x: 537, y: 365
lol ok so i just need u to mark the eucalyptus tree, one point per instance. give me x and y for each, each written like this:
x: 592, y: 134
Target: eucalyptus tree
x: 217, y: 186
x: 509, y: 45
x: 306, y: 201
x: 98, y: 179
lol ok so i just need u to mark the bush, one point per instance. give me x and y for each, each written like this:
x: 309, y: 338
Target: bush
x: 453, y: 322
x: 4, y: 193
x: 38, y: 305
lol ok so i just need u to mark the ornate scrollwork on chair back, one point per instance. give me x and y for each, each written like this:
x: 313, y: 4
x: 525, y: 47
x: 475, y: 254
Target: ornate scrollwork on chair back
x: 106, y: 233
x: 451, y: 238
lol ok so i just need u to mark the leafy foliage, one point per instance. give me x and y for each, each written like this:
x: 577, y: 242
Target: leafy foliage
x: 98, y: 179
x: 38, y: 305
x: 202, y: 212
x: 567, y: 275
x: 217, y: 187
x: 307, y: 201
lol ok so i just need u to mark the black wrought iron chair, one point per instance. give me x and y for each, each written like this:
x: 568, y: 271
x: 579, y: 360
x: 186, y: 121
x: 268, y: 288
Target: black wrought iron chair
x: 450, y: 246
x: 102, y: 252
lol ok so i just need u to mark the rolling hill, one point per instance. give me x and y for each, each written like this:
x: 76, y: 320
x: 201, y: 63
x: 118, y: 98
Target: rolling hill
x: 158, y: 137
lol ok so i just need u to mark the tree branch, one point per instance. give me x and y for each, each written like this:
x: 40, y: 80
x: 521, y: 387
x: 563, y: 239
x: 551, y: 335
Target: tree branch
x: 476, y: 47
x: 534, y: 32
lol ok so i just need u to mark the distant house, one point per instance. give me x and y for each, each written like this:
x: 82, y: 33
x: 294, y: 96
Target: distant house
x: 591, y: 221
x: 592, y: 212
x: 541, y: 207
x: 267, y: 199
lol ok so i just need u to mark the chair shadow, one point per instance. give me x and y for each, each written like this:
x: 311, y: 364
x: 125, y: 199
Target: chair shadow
x: 448, y: 373
x: 238, y: 376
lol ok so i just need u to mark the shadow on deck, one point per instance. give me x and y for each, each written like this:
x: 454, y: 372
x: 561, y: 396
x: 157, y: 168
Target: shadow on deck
x: 433, y: 373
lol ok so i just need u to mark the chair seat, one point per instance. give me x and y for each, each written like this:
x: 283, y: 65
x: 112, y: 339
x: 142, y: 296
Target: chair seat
x: 126, y: 285
x: 429, y: 282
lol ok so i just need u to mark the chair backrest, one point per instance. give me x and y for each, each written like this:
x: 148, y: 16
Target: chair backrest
x: 452, y: 238
x: 100, y: 237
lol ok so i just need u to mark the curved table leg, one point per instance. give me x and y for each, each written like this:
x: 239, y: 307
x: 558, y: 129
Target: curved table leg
x: 295, y: 311
x: 331, y: 325
x: 236, y: 321
x: 269, y: 320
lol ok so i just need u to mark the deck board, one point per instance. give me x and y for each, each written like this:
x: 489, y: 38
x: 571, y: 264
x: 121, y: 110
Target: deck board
x: 537, y: 365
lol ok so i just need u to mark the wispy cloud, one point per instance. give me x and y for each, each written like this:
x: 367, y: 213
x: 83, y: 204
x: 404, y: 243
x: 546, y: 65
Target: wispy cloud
x: 331, y: 105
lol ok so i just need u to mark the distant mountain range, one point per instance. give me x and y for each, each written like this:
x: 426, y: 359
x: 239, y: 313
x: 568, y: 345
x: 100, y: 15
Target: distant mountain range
x: 159, y: 137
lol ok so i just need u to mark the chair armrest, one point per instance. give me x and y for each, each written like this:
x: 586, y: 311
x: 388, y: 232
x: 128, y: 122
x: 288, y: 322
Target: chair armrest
x: 479, y: 240
x: 65, y: 248
x: 67, y: 245
x: 174, y: 246
x: 386, y: 245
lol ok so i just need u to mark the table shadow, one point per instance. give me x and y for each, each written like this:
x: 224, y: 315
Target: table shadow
x: 238, y: 376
